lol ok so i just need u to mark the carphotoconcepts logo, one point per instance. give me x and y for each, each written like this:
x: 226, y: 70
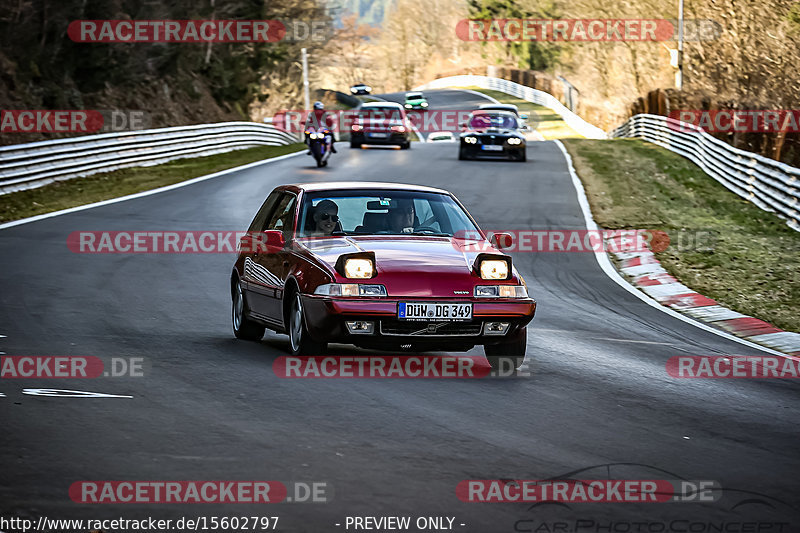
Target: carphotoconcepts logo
x: 582, y: 30
x: 69, y: 366
x: 72, y: 120
x: 735, y: 120
x: 199, y: 31
x: 733, y: 367
x: 586, y: 490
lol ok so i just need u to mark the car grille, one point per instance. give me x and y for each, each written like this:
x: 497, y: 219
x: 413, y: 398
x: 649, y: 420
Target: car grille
x: 420, y: 329
x: 486, y: 139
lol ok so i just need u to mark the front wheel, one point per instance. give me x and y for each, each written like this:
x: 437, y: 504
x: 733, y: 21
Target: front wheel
x: 406, y: 145
x: 243, y: 327
x: 507, y: 355
x: 300, y: 342
x: 354, y: 144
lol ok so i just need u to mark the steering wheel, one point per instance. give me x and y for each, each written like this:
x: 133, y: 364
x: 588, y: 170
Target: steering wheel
x: 427, y: 228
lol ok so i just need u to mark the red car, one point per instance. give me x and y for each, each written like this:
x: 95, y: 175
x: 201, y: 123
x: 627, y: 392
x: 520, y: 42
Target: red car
x: 380, y: 266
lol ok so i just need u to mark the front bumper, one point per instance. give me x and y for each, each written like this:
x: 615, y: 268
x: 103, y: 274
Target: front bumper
x: 325, y: 319
x: 476, y: 150
x: 391, y: 138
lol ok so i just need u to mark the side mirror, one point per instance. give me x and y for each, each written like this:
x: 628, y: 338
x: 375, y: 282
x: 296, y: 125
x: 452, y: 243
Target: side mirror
x: 524, y: 116
x: 269, y: 241
x: 502, y: 241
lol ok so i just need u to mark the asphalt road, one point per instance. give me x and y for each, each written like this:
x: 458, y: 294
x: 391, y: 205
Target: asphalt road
x: 598, y: 400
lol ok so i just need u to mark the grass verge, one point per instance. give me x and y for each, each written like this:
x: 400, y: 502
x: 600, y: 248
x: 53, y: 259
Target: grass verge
x: 542, y: 119
x: 749, y: 263
x: 98, y: 187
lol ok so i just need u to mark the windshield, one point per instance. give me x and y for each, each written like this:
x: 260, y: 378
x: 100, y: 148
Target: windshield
x: 381, y: 212
x: 490, y: 120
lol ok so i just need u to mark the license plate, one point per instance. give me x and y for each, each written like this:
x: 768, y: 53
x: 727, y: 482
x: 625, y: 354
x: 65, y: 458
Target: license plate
x: 378, y: 135
x: 492, y: 147
x: 434, y: 311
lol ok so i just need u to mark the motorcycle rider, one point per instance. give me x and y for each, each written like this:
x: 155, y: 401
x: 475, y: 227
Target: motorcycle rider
x: 320, y: 119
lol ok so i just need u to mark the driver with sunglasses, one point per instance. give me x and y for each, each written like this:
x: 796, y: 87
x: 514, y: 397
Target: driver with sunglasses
x: 325, y: 217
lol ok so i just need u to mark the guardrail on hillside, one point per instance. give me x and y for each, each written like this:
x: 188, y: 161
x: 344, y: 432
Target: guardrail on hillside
x: 771, y: 185
x: 25, y: 166
x: 529, y: 94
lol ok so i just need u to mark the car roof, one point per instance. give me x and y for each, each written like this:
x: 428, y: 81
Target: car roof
x: 382, y: 104
x: 500, y: 107
x: 349, y: 185
x: 494, y: 112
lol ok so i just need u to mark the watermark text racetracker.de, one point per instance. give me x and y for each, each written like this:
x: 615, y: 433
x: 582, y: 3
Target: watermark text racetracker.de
x: 70, y: 367
x: 203, y: 492
x: 72, y: 120
x: 587, y: 490
x: 733, y: 367
x: 200, y: 31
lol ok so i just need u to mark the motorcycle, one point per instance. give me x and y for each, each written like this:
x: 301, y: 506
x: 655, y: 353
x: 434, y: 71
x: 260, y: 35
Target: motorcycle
x: 319, y: 142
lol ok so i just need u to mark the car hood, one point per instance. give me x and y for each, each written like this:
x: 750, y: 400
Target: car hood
x: 410, y: 265
x: 493, y: 131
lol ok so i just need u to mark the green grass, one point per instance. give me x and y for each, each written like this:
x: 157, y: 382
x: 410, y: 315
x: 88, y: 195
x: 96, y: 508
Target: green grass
x: 752, y: 263
x: 97, y: 187
x: 542, y: 119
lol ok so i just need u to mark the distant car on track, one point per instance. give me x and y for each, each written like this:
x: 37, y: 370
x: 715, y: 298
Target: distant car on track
x: 415, y: 100
x: 381, y: 123
x: 441, y: 136
x: 360, y: 88
x: 492, y: 134
x: 510, y: 108
x: 381, y: 266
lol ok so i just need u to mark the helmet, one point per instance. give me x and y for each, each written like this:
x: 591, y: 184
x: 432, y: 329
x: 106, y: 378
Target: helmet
x: 319, y: 105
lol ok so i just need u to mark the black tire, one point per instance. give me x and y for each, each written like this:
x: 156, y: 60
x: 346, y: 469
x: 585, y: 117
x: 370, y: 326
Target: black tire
x: 354, y: 144
x: 243, y: 327
x: 462, y: 154
x: 523, y: 156
x: 406, y: 145
x: 300, y: 342
x: 507, y: 355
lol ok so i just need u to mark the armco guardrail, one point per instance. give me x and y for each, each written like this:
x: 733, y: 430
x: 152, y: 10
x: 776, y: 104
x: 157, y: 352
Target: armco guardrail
x: 771, y: 185
x: 25, y: 166
x: 520, y: 91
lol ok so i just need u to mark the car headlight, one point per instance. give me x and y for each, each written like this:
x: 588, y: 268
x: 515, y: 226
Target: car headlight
x: 515, y: 140
x: 408, y: 106
x: 494, y: 269
x: 350, y: 289
x: 357, y: 268
x: 424, y: 104
x: 471, y: 140
x: 501, y: 291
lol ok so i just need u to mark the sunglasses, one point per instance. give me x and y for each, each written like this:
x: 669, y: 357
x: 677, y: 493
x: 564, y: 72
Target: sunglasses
x: 328, y: 216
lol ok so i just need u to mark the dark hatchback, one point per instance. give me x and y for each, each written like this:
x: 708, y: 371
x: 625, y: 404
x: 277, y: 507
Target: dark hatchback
x: 381, y: 123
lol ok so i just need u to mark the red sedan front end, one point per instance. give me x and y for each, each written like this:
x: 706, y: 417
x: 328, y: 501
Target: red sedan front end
x: 380, y: 266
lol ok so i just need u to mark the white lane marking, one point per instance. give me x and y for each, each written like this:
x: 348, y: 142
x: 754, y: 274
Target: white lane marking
x: 63, y: 393
x: 611, y: 272
x: 2, y: 336
x: 2, y: 396
x: 632, y: 340
x: 147, y: 193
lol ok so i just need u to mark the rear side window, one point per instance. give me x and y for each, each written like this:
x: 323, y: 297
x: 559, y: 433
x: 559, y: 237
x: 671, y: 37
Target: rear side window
x: 267, y: 207
x: 283, y: 215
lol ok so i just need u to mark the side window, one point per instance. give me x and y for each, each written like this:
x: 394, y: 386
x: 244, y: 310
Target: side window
x: 267, y: 207
x: 281, y: 217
